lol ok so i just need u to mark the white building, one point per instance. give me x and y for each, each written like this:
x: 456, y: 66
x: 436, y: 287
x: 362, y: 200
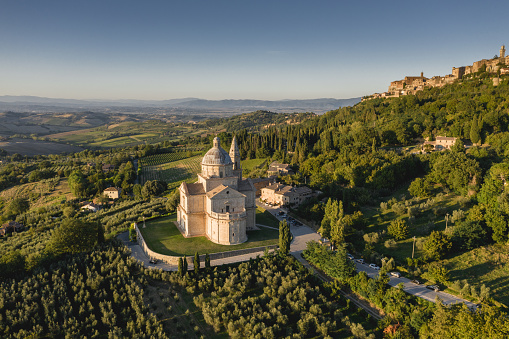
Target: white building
x: 220, y: 206
x: 112, y: 192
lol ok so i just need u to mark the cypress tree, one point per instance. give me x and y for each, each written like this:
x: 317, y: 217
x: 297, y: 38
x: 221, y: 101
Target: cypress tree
x: 207, y: 261
x: 184, y: 265
x: 180, y: 269
x: 284, y: 238
x: 475, y: 133
x: 196, y: 263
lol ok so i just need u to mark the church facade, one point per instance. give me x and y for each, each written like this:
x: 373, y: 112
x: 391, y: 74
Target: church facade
x: 220, y: 205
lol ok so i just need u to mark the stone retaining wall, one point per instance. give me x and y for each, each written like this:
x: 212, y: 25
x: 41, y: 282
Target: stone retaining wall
x: 173, y: 260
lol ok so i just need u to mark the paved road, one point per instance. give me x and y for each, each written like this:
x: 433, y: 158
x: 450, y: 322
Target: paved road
x: 303, y: 234
x: 417, y: 290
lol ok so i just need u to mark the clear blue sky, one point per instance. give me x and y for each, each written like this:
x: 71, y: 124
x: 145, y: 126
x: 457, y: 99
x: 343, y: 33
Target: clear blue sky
x: 238, y: 49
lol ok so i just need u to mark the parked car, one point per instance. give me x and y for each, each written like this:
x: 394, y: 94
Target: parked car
x: 360, y: 261
x: 373, y: 266
x: 396, y: 274
x: 349, y: 256
x: 433, y: 287
x: 415, y: 281
x: 153, y: 261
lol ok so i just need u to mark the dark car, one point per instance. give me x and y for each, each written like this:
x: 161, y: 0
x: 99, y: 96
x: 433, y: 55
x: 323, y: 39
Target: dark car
x: 417, y: 282
x: 433, y: 287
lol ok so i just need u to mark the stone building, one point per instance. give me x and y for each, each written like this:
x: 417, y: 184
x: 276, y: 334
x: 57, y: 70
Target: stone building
x: 277, y: 168
x: 279, y: 194
x: 441, y: 143
x: 220, y: 205
x: 112, y: 192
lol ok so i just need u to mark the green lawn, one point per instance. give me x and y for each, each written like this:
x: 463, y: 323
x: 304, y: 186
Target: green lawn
x: 484, y: 265
x: 264, y: 217
x: 252, y: 163
x: 162, y: 236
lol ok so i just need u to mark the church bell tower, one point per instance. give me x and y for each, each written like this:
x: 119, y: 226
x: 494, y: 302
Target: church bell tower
x: 502, y: 51
x: 235, y: 156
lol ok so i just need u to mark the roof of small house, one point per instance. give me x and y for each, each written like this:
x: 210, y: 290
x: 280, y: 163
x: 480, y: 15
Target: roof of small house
x: 113, y: 189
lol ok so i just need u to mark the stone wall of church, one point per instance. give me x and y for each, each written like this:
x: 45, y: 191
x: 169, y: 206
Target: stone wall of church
x: 226, y: 231
x: 250, y: 198
x: 251, y: 218
x: 196, y: 224
x: 226, y: 205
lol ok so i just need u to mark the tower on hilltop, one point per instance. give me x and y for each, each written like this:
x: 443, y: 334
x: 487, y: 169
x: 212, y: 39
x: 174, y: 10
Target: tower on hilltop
x: 502, y: 51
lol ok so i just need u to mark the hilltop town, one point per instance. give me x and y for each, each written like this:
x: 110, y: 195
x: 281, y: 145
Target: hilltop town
x: 412, y: 84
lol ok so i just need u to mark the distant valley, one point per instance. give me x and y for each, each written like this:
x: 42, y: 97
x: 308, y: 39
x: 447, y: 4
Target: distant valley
x: 186, y: 106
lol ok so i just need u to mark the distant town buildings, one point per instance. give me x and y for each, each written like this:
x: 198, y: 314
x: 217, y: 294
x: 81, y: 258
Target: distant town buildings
x: 413, y: 84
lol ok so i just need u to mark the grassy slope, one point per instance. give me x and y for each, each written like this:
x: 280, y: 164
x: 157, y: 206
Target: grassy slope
x: 48, y: 197
x: 487, y: 265
x: 162, y: 236
x: 251, y: 163
x: 264, y: 217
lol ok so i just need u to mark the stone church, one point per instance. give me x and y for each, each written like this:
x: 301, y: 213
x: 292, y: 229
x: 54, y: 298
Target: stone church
x: 220, y: 205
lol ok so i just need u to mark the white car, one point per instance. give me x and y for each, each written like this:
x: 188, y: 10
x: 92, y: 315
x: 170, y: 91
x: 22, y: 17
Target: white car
x: 360, y: 261
x: 373, y: 266
x: 396, y: 274
x: 349, y: 256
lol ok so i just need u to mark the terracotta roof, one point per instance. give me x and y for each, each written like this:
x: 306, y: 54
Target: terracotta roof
x: 112, y: 189
x: 221, y: 188
x: 195, y: 189
x: 445, y: 138
x: 246, y: 185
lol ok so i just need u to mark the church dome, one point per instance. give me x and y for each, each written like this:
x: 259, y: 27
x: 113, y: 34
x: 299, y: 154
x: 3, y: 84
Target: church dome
x: 216, y: 155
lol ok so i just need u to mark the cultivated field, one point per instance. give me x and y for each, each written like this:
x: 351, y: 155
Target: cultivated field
x: 173, y: 172
x: 31, y: 147
x: 128, y: 133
